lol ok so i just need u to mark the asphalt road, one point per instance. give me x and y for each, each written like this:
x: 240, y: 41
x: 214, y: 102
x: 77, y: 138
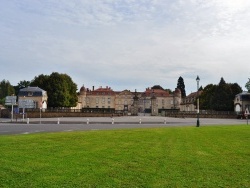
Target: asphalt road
x: 36, y: 125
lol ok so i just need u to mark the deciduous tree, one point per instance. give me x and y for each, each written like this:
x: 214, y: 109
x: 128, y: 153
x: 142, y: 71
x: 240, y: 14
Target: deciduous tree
x: 61, y: 90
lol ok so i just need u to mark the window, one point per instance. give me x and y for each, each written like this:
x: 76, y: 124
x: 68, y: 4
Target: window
x: 103, y: 100
x: 97, y: 100
x: 30, y: 94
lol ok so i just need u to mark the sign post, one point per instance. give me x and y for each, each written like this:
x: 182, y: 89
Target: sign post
x: 11, y: 100
x: 26, y: 103
x: 246, y: 114
x: 40, y: 114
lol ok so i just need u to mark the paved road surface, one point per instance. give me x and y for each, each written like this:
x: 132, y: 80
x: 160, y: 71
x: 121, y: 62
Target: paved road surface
x: 62, y: 124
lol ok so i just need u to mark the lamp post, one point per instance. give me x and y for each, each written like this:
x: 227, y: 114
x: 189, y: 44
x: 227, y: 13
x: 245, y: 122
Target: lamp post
x: 198, y: 110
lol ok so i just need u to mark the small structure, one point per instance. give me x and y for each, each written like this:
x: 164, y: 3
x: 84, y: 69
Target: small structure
x: 135, y: 105
x: 241, y: 103
x: 32, y: 97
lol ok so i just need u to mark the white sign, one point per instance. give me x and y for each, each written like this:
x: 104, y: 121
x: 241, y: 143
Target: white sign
x: 26, y: 103
x: 10, y: 100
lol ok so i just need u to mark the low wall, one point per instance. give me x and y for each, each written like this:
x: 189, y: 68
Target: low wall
x: 6, y: 114
x: 66, y: 114
x: 194, y: 115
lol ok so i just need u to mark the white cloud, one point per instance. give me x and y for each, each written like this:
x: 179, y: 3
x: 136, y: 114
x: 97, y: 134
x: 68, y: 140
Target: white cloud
x: 127, y: 43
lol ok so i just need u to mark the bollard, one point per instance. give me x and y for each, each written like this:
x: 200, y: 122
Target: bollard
x: 58, y: 120
x: 140, y: 121
x: 28, y: 120
x: 112, y: 120
x: 87, y: 121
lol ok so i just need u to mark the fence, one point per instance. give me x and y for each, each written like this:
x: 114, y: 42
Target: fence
x: 202, y: 114
x: 32, y: 113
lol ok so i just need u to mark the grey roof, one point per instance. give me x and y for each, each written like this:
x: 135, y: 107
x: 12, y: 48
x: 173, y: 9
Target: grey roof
x: 32, y: 89
x: 36, y: 91
x: 243, y: 93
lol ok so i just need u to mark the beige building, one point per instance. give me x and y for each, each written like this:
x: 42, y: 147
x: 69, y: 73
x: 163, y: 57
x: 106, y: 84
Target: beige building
x: 32, y: 97
x: 150, y: 101
x: 124, y: 101
x: 101, y: 98
x: 188, y: 103
x: 157, y: 100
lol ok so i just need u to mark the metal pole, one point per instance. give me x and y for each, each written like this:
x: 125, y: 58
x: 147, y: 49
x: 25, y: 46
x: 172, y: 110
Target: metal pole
x: 198, y: 110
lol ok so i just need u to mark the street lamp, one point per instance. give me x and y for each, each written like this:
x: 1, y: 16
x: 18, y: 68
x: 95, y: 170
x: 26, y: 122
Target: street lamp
x: 198, y: 110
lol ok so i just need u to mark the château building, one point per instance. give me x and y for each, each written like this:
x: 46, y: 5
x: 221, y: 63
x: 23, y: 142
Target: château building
x: 188, y: 103
x: 152, y: 101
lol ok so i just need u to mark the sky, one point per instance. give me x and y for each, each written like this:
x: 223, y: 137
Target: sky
x: 126, y: 44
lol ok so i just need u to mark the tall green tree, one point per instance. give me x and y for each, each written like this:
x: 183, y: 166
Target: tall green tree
x: 6, y: 89
x: 41, y: 81
x: 181, y: 86
x: 61, y: 90
x: 207, y: 96
x: 219, y: 97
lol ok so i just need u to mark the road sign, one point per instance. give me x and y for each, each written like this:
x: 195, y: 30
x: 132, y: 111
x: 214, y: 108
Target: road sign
x: 26, y: 103
x: 246, y: 111
x: 10, y: 100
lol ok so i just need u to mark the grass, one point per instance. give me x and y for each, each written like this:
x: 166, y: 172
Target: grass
x: 216, y: 156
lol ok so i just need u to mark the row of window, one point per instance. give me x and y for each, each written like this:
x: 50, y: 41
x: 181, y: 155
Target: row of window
x: 162, y: 101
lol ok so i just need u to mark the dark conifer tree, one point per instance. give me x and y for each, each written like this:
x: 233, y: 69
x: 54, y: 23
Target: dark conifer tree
x: 181, y: 86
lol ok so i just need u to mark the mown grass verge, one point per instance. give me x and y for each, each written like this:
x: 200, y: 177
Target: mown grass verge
x: 216, y: 156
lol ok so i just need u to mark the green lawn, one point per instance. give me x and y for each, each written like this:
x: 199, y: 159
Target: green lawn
x: 216, y: 156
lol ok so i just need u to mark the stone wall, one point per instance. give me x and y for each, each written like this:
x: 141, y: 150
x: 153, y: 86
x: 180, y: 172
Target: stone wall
x: 202, y: 115
x: 67, y: 114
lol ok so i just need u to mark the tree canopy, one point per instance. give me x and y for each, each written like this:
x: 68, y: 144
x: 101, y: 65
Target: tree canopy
x: 6, y: 89
x: 22, y: 84
x: 219, y: 97
x: 157, y: 87
x: 61, y: 90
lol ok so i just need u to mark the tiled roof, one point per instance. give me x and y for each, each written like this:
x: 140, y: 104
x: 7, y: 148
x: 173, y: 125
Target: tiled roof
x: 155, y: 92
x: 102, y: 91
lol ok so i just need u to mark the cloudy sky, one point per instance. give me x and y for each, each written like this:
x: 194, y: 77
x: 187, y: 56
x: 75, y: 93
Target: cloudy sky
x: 126, y: 44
